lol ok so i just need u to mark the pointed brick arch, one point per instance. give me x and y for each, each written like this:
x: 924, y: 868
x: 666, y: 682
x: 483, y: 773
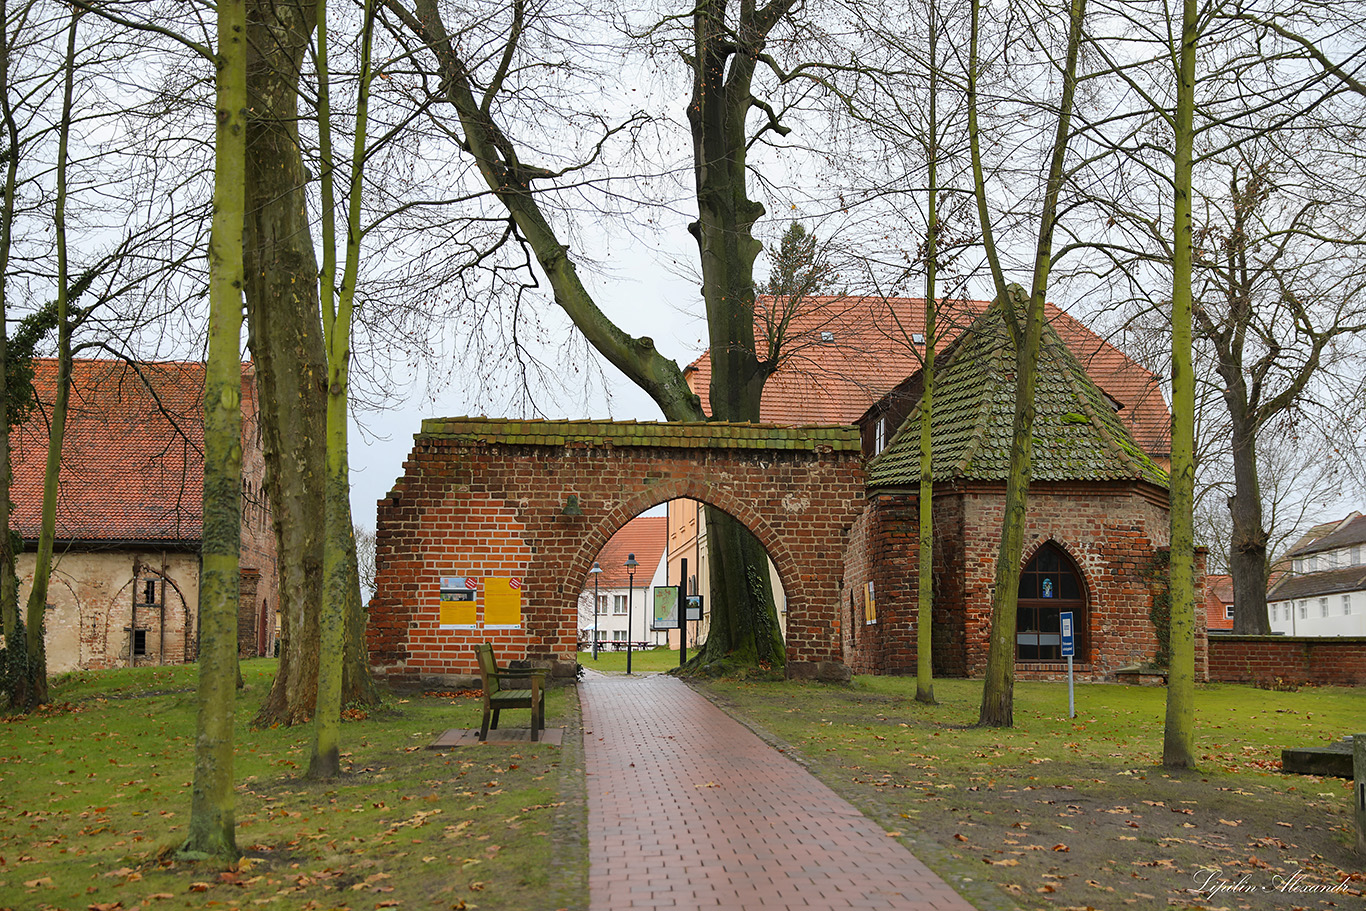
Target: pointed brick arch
x: 537, y: 500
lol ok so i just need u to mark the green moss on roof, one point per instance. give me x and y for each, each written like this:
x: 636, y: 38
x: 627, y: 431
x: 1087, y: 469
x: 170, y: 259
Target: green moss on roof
x: 699, y: 435
x: 1077, y: 435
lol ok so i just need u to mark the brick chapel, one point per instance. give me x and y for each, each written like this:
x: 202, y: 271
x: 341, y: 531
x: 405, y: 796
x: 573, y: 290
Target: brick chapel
x: 1098, y: 502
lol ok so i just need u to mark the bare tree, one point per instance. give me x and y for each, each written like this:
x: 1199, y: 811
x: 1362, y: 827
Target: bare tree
x: 485, y: 65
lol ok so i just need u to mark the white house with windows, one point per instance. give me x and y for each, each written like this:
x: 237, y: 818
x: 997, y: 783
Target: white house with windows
x: 1323, y: 593
x: 625, y: 602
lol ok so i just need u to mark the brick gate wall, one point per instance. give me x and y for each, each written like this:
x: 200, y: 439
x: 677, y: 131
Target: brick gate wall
x: 484, y: 497
x: 1323, y: 660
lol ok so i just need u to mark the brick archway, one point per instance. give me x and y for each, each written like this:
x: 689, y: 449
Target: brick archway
x: 537, y: 500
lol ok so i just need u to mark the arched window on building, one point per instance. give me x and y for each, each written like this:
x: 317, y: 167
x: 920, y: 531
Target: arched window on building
x: 1049, y: 585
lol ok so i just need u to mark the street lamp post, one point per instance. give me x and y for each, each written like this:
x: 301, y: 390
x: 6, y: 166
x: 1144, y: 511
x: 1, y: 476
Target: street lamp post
x: 631, y: 565
x: 596, y: 571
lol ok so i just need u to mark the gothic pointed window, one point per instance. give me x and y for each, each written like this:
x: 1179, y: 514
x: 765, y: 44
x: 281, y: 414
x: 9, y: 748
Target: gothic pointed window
x: 1049, y: 585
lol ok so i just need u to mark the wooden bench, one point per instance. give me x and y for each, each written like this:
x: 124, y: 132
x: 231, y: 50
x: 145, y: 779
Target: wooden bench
x: 509, y: 688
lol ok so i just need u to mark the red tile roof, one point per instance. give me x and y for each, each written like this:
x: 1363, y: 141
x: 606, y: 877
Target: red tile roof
x: 644, y: 536
x: 1218, y: 596
x: 845, y: 353
x: 133, y: 455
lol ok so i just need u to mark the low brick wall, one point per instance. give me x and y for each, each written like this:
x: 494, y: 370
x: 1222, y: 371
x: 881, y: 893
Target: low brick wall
x: 1339, y: 660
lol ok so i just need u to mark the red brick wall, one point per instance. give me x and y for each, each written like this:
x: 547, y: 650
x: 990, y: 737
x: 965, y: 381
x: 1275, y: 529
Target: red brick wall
x: 1337, y: 660
x: 1112, y: 531
x: 467, y: 507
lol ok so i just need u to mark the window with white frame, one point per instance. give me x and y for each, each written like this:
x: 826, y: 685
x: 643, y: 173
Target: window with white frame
x: 1346, y: 605
x: 1304, y: 610
x: 1228, y: 611
x: 1299, y: 564
x: 619, y: 604
x: 602, y: 603
x: 1356, y: 556
x: 618, y: 635
x: 1323, y: 607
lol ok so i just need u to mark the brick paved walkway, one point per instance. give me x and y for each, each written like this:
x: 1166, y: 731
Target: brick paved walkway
x: 687, y: 808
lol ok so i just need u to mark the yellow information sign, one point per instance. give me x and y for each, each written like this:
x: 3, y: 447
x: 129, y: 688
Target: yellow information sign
x: 458, y: 610
x: 502, y: 602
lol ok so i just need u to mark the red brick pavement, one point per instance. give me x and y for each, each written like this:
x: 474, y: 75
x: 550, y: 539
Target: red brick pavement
x: 687, y: 808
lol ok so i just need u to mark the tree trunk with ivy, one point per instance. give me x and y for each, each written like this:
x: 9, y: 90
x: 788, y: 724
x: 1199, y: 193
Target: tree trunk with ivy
x: 1024, y: 318
x: 1178, y: 744
x: 924, y: 621
x: 36, y: 644
x: 12, y: 674
x: 212, y: 826
x: 341, y: 582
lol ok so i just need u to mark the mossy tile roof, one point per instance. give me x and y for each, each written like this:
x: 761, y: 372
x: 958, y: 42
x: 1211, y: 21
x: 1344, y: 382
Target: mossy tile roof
x: 1077, y: 434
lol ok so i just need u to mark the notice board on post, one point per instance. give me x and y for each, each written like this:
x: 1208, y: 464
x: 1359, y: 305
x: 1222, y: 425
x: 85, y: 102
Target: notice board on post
x: 666, y: 607
x: 502, y: 602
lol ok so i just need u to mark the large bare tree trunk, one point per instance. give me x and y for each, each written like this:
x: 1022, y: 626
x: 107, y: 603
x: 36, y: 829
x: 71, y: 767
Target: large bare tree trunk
x: 291, y: 362
x: 1247, y: 556
x: 743, y: 608
x: 723, y: 64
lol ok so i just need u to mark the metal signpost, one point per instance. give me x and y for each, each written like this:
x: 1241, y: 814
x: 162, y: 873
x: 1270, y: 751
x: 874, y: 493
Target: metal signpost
x: 596, y: 571
x: 1069, y: 648
x: 631, y: 565
x: 683, y: 612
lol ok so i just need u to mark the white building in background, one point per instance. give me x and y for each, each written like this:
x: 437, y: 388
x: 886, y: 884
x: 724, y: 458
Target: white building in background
x: 624, y: 611
x: 1323, y: 591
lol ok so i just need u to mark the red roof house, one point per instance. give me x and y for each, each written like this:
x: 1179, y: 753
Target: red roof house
x: 129, y: 513
x: 1218, y: 601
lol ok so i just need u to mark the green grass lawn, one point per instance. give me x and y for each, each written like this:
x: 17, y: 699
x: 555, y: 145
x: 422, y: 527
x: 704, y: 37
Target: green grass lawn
x: 656, y: 660
x: 1056, y: 813
x: 95, y: 795
x: 1077, y: 813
